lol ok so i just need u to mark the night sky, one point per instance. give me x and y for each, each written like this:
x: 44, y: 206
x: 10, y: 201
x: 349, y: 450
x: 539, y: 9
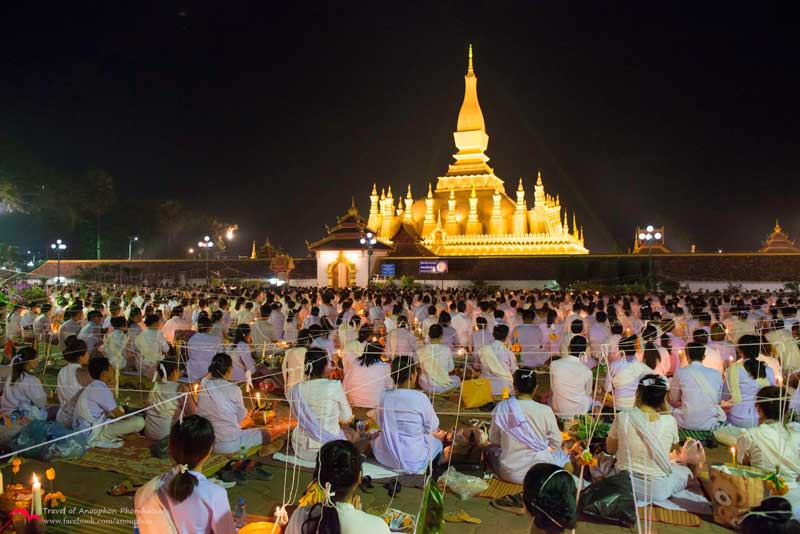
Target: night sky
x: 272, y: 116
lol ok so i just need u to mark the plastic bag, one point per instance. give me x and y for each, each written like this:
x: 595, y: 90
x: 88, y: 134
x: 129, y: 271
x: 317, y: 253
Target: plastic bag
x: 431, y: 520
x: 610, y: 499
x: 464, y: 486
x: 43, y: 431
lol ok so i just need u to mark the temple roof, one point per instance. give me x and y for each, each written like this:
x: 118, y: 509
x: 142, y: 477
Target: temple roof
x: 778, y: 241
x: 347, y: 233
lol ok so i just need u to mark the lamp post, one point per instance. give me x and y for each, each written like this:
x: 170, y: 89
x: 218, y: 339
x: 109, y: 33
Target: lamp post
x: 368, y: 241
x: 650, y: 237
x: 206, y: 244
x: 131, y: 239
x: 58, y: 246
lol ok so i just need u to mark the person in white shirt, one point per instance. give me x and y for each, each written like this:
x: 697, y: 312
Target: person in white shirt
x: 221, y: 402
x: 183, y: 500
x: 72, y: 378
x: 14, y: 323
x: 262, y: 331
x: 784, y: 348
x: 201, y: 349
x: 713, y: 359
x: 718, y: 342
x: 174, y: 323
x: 367, y: 378
x: 642, y: 439
x: 523, y: 433
x: 320, y: 407
x: 530, y: 339
x: 242, y: 354
x: 26, y: 322
x: 598, y: 333
x: 401, y: 341
x: 462, y: 324
x: 497, y: 363
x: 151, y: 346
x: 92, y: 333
x: 23, y: 391
x: 623, y: 375
x: 695, y: 393
x: 163, y: 400
x: 571, y: 382
x: 294, y: 361
x: 96, y: 408
x: 277, y: 320
x: 116, y: 342
x: 338, y: 475
x: 70, y: 327
x: 436, y: 364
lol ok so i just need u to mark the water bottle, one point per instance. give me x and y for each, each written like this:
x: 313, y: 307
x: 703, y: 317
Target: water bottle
x: 135, y: 526
x: 242, y: 453
x: 240, y: 513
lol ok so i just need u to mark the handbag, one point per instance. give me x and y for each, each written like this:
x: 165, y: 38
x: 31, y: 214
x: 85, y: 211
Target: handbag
x: 476, y: 392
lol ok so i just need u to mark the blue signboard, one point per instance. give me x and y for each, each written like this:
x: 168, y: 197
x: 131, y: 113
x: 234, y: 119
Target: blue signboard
x: 387, y: 269
x: 433, y: 266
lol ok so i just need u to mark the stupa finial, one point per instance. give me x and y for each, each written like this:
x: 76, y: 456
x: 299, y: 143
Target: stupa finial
x: 469, y: 66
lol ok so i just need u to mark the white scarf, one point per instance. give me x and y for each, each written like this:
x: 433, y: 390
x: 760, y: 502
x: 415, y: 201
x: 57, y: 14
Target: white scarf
x: 707, y: 390
x: 639, y: 422
x: 430, y: 364
x: 149, y: 503
x: 489, y: 359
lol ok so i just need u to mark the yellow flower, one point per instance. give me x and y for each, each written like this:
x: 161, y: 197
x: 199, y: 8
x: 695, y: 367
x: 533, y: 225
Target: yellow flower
x: 50, y: 474
x: 16, y: 460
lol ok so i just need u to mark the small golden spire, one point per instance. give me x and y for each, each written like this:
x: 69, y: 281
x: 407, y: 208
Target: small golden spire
x: 539, y: 178
x: 408, y: 193
x: 519, y: 187
x: 778, y: 228
x: 469, y: 67
x: 472, y: 193
x: 374, y: 189
x: 574, y: 223
x: 383, y: 193
x: 253, y: 252
x: 389, y: 192
x: 430, y: 193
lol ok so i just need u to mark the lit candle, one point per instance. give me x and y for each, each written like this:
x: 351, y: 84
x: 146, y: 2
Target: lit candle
x: 36, y: 502
x: 505, y: 393
x: 196, y: 386
x: 733, y: 455
x: 259, y: 403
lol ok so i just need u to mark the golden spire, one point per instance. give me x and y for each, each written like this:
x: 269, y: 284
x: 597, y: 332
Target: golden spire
x: 430, y: 193
x: 539, y: 178
x: 519, y: 187
x: 374, y: 189
x: 389, y: 192
x: 408, y: 193
x: 778, y: 228
x: 574, y: 223
x: 473, y: 194
x: 383, y: 193
x: 470, y: 117
x: 253, y: 252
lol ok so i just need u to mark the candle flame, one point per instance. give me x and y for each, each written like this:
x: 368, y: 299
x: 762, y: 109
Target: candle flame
x: 35, y: 479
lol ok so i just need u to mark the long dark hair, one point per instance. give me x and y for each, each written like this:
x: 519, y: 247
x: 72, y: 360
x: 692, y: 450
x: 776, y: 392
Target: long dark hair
x: 749, y: 346
x: 21, y: 359
x: 549, y: 496
x: 338, y: 464
x: 372, y: 354
x: 651, y: 356
x: 242, y: 331
x: 220, y: 365
x: 190, y: 442
x: 315, y: 362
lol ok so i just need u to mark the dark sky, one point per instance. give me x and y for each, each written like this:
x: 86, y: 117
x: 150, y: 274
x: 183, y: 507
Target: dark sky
x: 272, y: 116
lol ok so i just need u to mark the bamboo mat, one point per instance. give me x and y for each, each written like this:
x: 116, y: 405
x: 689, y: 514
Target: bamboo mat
x: 498, y: 489
x: 679, y: 518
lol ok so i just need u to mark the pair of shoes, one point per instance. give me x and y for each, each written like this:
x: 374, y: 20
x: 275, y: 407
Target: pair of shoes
x: 366, y: 484
x: 510, y: 503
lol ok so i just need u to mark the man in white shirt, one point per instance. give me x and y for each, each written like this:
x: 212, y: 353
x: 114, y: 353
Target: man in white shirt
x: 92, y: 333
x: 202, y: 347
x: 14, y: 323
x: 174, y: 323
x: 530, y: 339
x: 713, y: 359
x: 696, y: 392
x: 277, y: 319
x: 462, y: 324
x: 571, y: 382
x: 598, y: 333
x: 262, y: 332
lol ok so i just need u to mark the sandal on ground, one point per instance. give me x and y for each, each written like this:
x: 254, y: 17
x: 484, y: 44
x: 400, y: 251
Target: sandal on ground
x: 126, y: 487
x: 510, y: 503
x: 366, y: 484
x: 259, y: 473
x: 461, y: 517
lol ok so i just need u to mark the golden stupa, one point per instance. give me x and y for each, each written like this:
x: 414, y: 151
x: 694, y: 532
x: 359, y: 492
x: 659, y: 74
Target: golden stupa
x: 469, y: 212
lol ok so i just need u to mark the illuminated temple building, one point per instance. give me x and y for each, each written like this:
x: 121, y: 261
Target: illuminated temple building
x: 779, y: 241
x: 468, y: 212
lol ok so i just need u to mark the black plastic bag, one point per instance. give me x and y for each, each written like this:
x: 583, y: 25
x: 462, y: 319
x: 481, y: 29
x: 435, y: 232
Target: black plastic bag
x: 610, y: 499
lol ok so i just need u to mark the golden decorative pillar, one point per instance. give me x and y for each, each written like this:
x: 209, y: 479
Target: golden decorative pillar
x: 253, y: 254
x: 451, y: 227
x: 374, y: 221
x: 497, y: 223
x: 520, y: 218
x: 430, y: 222
x: 474, y: 226
x: 409, y: 203
x: 388, y: 215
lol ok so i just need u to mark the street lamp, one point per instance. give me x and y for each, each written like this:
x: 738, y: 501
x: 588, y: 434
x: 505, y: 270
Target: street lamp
x: 131, y: 239
x: 368, y: 241
x: 206, y: 244
x: 58, y: 246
